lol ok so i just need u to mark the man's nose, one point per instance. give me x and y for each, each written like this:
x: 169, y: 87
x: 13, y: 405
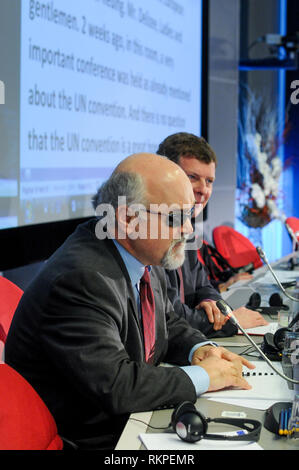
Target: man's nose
x: 201, y: 187
x: 187, y: 227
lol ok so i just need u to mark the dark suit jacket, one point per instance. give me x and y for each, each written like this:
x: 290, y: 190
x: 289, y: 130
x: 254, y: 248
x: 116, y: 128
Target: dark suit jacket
x: 197, y: 287
x: 76, y: 337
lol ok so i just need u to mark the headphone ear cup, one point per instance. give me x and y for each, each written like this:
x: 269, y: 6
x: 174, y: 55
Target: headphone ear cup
x: 275, y: 300
x: 279, y: 337
x: 188, y: 423
x: 184, y: 407
x: 254, y: 301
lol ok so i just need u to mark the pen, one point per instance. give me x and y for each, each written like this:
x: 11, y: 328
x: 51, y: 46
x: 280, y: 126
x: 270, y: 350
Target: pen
x: 286, y: 419
x: 281, y: 422
x: 289, y: 417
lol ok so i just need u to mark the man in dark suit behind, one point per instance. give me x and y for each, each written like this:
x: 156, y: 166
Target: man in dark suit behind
x: 198, y: 304
x: 77, y: 335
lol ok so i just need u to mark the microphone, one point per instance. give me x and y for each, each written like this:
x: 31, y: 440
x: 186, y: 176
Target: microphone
x: 227, y: 312
x: 292, y: 234
x: 294, y: 321
x: 262, y: 255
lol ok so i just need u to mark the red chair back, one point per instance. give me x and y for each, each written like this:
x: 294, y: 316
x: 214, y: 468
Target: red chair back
x: 10, y: 295
x: 25, y: 421
x: 235, y: 247
x: 293, y: 222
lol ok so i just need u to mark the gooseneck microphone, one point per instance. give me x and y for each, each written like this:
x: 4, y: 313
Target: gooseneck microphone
x: 292, y: 234
x: 227, y: 312
x: 262, y: 255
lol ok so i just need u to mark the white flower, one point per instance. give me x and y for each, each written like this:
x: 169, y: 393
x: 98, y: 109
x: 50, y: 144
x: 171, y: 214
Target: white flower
x: 271, y: 187
x: 261, y: 160
x: 258, y: 195
x: 252, y: 145
x: 274, y: 211
x: 258, y: 140
x: 258, y: 133
x: 276, y: 167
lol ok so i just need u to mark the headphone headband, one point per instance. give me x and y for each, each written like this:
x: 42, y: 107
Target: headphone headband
x: 191, y: 425
x: 251, y: 425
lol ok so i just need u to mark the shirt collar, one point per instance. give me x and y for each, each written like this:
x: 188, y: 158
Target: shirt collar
x: 134, y: 267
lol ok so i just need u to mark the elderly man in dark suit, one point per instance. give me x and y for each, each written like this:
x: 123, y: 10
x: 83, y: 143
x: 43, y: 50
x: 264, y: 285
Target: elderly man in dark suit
x: 96, y: 322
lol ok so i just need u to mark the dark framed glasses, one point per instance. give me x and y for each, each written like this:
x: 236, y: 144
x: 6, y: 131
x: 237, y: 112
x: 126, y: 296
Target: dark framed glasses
x: 175, y: 218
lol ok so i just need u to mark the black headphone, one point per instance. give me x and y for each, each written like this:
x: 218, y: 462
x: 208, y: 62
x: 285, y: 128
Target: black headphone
x: 191, y: 425
x: 275, y: 301
x: 273, y: 344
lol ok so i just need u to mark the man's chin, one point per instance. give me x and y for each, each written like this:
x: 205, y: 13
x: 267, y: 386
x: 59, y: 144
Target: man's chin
x: 175, y: 256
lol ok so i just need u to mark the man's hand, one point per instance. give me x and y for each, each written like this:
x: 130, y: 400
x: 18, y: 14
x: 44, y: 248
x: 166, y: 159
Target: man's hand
x: 222, y: 353
x: 249, y: 318
x: 223, y: 367
x: 213, y: 313
x: 246, y: 317
x: 237, y: 277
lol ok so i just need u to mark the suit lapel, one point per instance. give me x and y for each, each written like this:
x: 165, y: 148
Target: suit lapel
x: 131, y: 296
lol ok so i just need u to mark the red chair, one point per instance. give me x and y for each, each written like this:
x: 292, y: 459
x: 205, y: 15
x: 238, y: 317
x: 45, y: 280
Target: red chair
x: 293, y: 223
x: 10, y: 295
x: 235, y: 247
x: 25, y: 421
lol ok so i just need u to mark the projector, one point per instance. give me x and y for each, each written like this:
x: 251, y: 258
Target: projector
x: 284, y: 52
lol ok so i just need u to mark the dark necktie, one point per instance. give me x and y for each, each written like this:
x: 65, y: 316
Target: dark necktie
x: 147, y: 304
x: 182, y: 292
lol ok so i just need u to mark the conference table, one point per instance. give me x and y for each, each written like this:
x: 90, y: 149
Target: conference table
x: 141, y: 423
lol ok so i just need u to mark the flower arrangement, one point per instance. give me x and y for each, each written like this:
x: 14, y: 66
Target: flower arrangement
x: 260, y: 166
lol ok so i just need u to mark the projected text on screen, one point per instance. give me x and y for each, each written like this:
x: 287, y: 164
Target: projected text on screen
x: 99, y: 80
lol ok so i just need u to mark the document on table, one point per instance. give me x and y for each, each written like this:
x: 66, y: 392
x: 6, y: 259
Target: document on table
x: 167, y: 441
x: 258, y: 404
x: 261, y: 330
x: 266, y: 385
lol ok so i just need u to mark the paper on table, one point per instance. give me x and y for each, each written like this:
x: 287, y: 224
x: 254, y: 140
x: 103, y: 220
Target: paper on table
x: 283, y: 275
x: 266, y: 384
x: 261, y: 330
x: 165, y: 441
x: 257, y: 404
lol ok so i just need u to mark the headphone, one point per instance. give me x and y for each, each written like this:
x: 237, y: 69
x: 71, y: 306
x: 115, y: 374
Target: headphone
x: 273, y: 344
x: 275, y: 302
x: 192, y: 426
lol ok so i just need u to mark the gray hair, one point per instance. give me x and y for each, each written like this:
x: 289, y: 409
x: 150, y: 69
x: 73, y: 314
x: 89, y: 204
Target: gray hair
x: 126, y: 184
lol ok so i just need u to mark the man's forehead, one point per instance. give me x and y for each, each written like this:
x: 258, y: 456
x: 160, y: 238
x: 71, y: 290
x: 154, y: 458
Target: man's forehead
x: 194, y: 162
x: 180, y: 195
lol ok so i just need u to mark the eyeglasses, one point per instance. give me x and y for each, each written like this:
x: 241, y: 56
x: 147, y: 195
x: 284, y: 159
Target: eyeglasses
x: 177, y: 218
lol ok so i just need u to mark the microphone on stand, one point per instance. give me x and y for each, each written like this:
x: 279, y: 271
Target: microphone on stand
x: 292, y: 234
x: 262, y: 255
x: 227, y: 312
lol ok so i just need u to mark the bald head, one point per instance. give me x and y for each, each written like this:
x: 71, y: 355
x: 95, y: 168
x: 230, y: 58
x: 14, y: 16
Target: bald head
x: 158, y: 187
x: 164, y: 181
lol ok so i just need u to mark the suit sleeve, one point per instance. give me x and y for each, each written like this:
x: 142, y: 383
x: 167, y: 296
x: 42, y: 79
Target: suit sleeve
x: 86, y: 339
x: 197, y: 288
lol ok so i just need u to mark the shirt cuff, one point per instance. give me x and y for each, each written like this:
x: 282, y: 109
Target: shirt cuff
x: 199, y: 377
x: 198, y: 345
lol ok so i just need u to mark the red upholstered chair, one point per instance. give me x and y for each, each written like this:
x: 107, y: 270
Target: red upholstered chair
x: 10, y: 295
x: 293, y: 223
x: 25, y: 421
x: 235, y: 247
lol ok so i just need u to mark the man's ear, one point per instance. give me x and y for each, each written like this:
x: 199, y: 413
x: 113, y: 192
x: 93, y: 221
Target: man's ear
x: 122, y: 221
x: 128, y: 222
